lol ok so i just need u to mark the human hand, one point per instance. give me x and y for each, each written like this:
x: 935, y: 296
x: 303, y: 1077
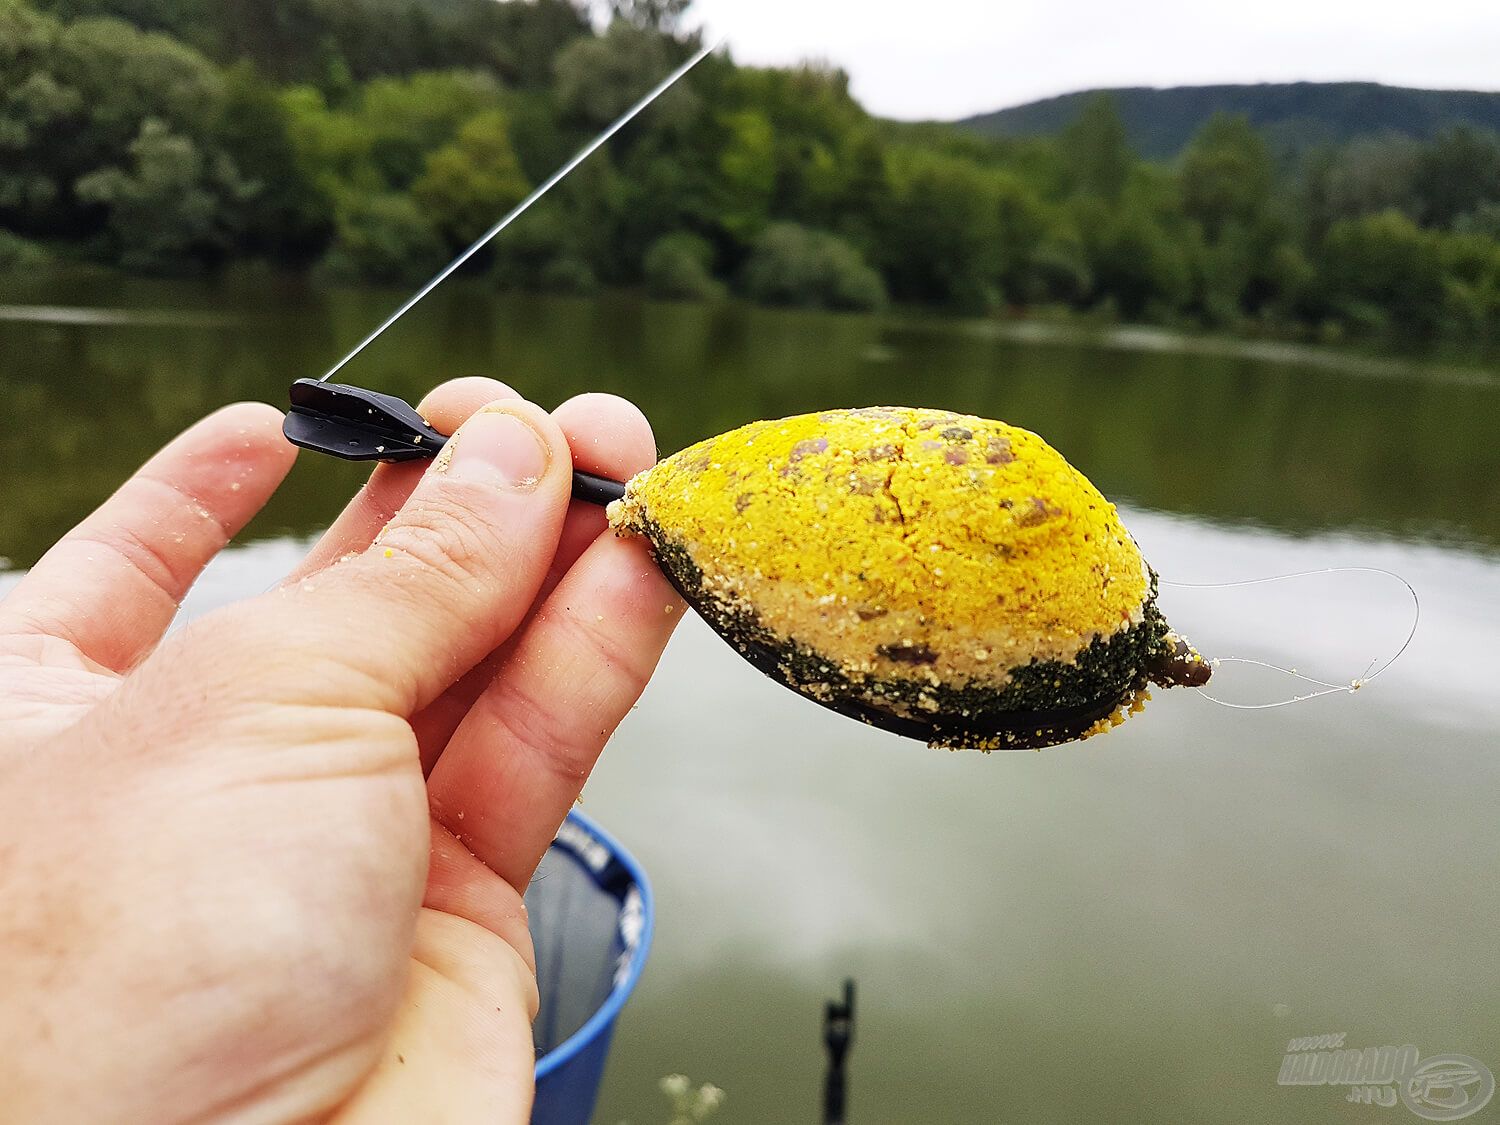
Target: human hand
x: 270, y: 868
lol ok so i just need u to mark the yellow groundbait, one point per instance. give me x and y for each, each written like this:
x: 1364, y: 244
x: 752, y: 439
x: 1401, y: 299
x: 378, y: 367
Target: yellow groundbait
x: 936, y: 574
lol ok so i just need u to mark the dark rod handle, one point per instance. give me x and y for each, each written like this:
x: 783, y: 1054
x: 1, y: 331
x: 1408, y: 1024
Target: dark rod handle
x: 596, y: 490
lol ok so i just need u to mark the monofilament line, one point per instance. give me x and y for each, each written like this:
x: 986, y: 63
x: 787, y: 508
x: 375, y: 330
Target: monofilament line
x: 521, y: 208
x: 1371, y: 671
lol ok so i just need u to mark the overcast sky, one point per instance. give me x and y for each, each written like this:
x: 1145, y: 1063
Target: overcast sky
x: 948, y: 58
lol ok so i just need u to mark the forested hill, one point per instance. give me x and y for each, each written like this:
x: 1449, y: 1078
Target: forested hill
x: 1293, y: 116
x: 372, y: 140
x: 319, y: 41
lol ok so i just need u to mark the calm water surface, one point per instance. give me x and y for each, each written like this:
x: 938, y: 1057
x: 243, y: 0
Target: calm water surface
x: 1124, y: 930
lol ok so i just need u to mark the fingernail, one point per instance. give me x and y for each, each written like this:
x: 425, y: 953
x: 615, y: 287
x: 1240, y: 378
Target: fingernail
x: 496, y: 446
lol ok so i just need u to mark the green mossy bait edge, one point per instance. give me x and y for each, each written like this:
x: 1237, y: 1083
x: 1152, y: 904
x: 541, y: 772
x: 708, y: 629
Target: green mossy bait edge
x: 1044, y: 704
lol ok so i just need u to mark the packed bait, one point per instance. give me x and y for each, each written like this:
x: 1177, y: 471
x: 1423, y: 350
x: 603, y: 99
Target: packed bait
x: 939, y: 575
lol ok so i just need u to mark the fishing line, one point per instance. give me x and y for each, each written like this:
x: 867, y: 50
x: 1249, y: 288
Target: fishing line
x: 521, y: 208
x: 1371, y: 671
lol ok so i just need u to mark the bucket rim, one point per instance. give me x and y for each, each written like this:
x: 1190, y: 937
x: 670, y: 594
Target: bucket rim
x: 609, y: 1011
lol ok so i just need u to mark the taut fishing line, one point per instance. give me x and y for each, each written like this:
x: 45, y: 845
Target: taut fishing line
x: 521, y: 208
x: 1372, y: 671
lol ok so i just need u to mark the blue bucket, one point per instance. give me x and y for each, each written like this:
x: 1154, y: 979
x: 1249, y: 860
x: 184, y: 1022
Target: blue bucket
x: 591, y: 917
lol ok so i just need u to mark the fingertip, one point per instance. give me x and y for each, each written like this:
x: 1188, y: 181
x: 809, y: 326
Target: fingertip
x: 449, y: 405
x: 127, y: 566
x: 508, y: 447
x: 603, y: 400
x: 446, y: 407
x: 650, y: 583
x: 620, y: 579
x: 251, y: 412
x: 252, y: 421
x: 235, y: 442
x: 551, y: 436
x: 608, y: 434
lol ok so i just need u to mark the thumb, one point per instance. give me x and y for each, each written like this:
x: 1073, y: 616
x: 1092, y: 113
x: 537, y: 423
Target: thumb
x: 446, y: 583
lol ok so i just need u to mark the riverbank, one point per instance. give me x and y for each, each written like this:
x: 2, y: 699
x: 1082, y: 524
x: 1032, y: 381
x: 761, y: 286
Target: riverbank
x: 101, y: 295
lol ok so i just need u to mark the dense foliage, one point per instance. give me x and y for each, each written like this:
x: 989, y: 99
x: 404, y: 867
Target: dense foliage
x: 371, y: 139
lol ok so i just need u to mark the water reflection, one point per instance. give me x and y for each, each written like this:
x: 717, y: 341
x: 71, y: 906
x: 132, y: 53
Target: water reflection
x: 1125, y: 930
x: 1292, y: 445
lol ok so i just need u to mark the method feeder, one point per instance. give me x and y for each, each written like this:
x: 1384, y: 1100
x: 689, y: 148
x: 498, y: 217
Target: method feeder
x: 877, y: 637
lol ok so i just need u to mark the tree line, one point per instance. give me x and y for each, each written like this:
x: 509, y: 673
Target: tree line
x: 370, y: 140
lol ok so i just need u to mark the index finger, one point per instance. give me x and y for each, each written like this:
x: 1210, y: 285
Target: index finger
x: 112, y: 585
x: 454, y: 573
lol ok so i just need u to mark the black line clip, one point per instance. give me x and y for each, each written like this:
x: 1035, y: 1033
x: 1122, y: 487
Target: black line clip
x: 357, y: 424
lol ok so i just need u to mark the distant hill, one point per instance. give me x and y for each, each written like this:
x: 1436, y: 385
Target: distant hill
x: 1296, y: 115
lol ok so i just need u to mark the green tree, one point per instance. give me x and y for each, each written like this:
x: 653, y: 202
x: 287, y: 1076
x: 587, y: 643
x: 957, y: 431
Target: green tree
x: 1226, y: 183
x: 940, y: 239
x: 407, y: 118
x: 17, y: 254
x: 525, y: 38
x: 471, y: 181
x: 1096, y: 149
x: 746, y: 173
x: 1139, y: 266
x: 1484, y: 221
x: 374, y: 135
x: 828, y: 159
x: 1384, y: 272
x: 165, y: 209
x: 330, y: 41
x: 1057, y: 272
x: 600, y: 78
x: 123, y: 77
x: 284, y: 213
x: 792, y: 265
x: 547, y: 253
x: 1471, y: 267
x: 333, y: 148
x: 1022, y: 223
x: 1457, y: 173
x: 1226, y: 176
x: 661, y: 16
x: 1365, y: 177
x: 74, y: 101
x: 32, y: 104
x: 383, y: 238
x: 680, y: 267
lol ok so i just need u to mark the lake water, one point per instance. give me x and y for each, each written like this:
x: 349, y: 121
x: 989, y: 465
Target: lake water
x: 1128, y: 929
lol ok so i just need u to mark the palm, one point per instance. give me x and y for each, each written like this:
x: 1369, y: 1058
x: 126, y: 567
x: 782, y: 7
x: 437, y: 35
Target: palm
x: 48, y: 686
x: 461, y: 975
x: 337, y: 875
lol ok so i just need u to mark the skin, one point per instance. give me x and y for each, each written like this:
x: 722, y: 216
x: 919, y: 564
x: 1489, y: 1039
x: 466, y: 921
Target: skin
x: 269, y: 869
